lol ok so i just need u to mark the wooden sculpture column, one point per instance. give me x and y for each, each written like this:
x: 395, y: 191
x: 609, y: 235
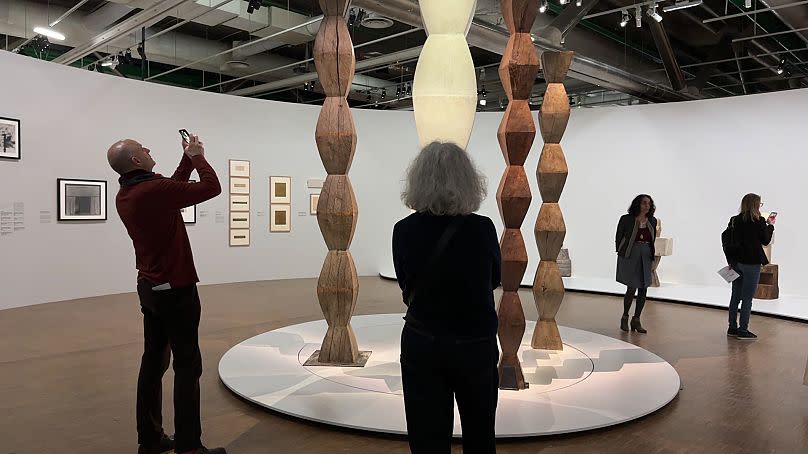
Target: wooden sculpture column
x: 518, y: 70
x: 548, y: 288
x: 338, y: 286
x: 445, y: 87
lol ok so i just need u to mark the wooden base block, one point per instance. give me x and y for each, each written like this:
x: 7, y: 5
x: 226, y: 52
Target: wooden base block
x: 654, y: 275
x: 546, y: 336
x: 339, y: 346
x: 314, y: 360
x: 769, y: 287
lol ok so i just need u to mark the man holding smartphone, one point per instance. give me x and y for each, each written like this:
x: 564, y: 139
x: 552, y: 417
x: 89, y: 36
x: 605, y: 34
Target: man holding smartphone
x: 149, y: 206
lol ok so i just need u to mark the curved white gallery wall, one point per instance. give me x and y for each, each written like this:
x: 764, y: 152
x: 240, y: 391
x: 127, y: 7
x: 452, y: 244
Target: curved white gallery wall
x: 697, y: 159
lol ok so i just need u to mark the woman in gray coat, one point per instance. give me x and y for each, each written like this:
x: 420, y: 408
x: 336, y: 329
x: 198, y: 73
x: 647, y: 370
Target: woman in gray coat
x: 634, y: 243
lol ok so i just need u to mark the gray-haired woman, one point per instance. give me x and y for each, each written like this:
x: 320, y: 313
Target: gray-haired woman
x: 447, y: 262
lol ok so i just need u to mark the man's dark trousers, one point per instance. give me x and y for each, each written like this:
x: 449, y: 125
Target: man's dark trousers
x: 170, y: 325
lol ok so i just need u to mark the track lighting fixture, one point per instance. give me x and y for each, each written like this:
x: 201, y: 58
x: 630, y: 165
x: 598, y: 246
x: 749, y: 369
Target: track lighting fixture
x: 384, y: 93
x: 253, y: 6
x: 624, y: 18
x: 563, y: 2
x: 652, y: 13
x: 579, y: 3
x: 638, y: 16
x: 110, y: 62
x: 543, y: 6
x: 747, y: 4
x: 351, y: 17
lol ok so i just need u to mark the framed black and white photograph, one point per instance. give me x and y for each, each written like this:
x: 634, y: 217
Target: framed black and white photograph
x: 82, y: 200
x: 9, y: 138
x: 189, y: 214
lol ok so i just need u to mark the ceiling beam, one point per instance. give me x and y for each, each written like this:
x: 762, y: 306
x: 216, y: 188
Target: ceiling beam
x: 144, y: 18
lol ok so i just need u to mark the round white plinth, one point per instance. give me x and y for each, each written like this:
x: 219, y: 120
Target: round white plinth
x: 596, y: 381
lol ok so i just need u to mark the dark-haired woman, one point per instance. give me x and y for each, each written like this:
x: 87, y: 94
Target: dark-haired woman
x: 634, y: 243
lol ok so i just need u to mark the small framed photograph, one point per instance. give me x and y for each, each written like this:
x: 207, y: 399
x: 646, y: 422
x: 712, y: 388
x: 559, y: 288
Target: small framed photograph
x: 239, y: 168
x: 280, y: 190
x: 240, y: 237
x: 239, y: 203
x: 239, y: 220
x: 314, y: 199
x: 281, y: 218
x: 82, y: 200
x: 239, y: 185
x: 189, y: 214
x: 9, y: 138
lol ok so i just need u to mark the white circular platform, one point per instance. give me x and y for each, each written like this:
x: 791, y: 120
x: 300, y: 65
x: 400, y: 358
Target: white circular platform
x: 596, y: 381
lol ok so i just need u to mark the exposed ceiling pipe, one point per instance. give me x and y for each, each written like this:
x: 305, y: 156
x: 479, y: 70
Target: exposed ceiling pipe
x: 494, y: 39
x: 666, y: 52
x: 376, y: 62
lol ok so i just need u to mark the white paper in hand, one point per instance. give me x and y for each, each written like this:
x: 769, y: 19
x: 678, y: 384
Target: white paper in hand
x: 728, y: 273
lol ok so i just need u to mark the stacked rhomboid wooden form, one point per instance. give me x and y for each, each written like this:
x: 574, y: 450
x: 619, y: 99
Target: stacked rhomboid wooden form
x: 338, y: 286
x: 548, y: 288
x: 518, y: 70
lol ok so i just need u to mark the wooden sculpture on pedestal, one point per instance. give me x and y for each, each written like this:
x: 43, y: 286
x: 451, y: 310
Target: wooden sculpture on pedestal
x: 548, y: 288
x: 518, y: 70
x: 445, y: 87
x: 663, y: 248
x: 338, y: 286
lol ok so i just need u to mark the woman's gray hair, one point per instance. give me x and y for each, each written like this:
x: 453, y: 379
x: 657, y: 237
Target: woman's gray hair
x: 443, y: 180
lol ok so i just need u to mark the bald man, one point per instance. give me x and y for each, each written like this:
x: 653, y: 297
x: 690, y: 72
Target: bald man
x: 149, y: 206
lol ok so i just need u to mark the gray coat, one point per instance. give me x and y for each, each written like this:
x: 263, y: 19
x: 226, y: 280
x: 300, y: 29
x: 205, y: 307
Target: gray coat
x: 626, y: 235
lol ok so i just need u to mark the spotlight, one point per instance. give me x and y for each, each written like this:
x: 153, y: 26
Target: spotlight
x: 142, y: 52
x: 483, y: 102
x: 398, y: 91
x: 253, y: 6
x: 579, y: 3
x: 351, y: 17
x: 110, y: 62
x: 409, y: 89
x: 563, y: 2
x: 652, y: 13
x: 624, y: 19
x: 638, y: 16
x: 384, y: 93
x: 543, y: 6
x: 747, y: 3
x: 780, y: 71
x: 50, y: 33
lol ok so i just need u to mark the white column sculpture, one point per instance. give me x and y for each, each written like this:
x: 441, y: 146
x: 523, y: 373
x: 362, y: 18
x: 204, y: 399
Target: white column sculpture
x: 445, y: 86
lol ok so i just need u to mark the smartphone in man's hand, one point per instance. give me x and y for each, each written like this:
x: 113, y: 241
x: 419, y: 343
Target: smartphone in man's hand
x: 185, y: 136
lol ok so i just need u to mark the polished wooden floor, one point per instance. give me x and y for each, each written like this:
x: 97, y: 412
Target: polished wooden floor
x: 68, y: 372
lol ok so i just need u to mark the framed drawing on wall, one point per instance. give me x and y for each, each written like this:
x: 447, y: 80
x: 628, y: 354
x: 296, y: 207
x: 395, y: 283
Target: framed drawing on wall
x: 189, y: 214
x: 240, y: 237
x: 239, y: 203
x: 280, y: 190
x: 9, y: 138
x: 281, y: 218
x: 240, y: 220
x: 239, y: 168
x: 239, y: 185
x: 81, y: 200
x: 314, y: 199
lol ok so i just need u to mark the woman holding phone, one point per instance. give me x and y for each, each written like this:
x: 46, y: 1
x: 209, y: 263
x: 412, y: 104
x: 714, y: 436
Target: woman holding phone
x: 750, y: 231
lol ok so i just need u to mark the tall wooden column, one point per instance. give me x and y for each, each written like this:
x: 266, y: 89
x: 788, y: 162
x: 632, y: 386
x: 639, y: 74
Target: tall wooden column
x: 518, y: 70
x: 338, y: 286
x: 548, y: 287
x: 444, y: 91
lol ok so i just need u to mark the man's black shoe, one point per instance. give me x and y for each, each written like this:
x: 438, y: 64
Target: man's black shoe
x: 166, y: 444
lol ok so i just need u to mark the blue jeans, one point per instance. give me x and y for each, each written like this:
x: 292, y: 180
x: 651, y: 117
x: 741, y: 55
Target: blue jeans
x: 743, y: 290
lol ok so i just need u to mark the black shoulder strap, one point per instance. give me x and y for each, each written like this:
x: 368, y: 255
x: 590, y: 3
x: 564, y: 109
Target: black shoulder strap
x: 416, y: 281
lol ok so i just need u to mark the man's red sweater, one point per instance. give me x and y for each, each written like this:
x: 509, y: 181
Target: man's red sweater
x: 149, y: 206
